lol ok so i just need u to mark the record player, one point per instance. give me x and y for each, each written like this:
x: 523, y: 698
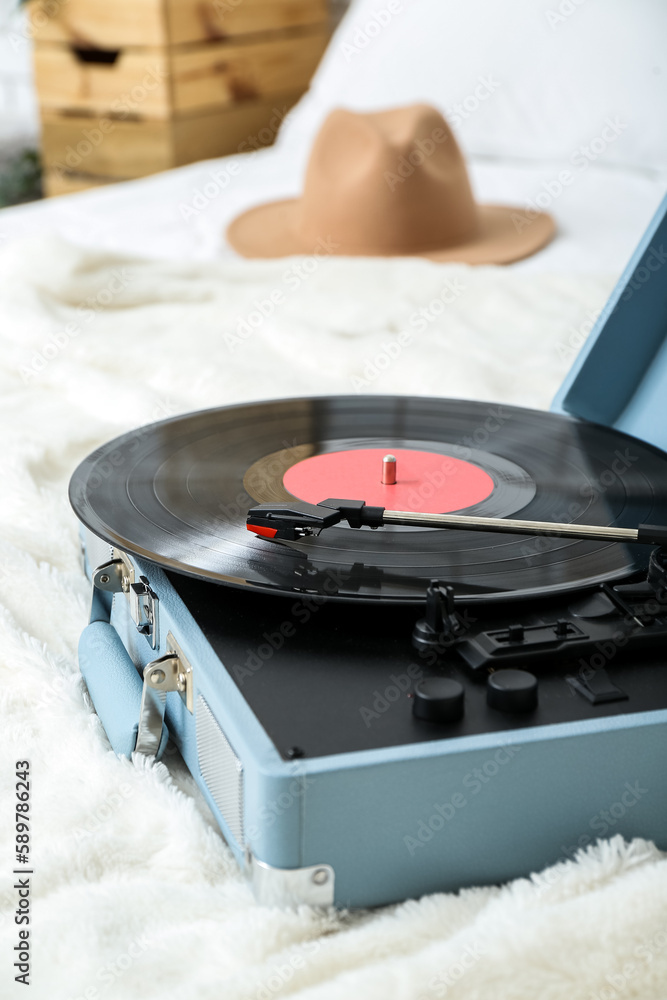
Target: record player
x: 438, y: 658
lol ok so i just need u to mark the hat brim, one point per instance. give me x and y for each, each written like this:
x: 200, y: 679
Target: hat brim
x: 506, y: 234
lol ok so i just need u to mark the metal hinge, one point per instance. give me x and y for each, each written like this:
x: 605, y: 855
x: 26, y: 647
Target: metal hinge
x: 117, y: 577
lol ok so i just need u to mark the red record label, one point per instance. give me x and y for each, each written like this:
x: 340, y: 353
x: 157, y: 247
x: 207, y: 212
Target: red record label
x: 426, y: 482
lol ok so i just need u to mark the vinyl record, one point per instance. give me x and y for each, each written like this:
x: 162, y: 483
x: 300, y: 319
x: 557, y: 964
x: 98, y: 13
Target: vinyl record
x: 177, y: 493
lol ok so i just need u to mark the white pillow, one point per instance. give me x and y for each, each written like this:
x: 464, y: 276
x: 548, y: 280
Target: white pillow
x: 569, y: 80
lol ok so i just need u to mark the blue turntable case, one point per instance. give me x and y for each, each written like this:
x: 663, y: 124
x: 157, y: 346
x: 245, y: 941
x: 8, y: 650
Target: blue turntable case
x: 370, y: 826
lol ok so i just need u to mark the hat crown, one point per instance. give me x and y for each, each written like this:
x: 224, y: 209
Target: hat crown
x: 387, y: 182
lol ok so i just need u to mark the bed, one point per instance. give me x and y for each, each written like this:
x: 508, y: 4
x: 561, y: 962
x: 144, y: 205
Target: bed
x: 124, y: 305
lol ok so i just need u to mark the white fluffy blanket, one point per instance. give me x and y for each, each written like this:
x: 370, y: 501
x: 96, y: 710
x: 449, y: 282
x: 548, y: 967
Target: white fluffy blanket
x: 135, y: 894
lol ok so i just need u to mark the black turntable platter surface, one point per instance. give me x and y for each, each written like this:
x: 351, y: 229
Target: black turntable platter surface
x: 177, y: 493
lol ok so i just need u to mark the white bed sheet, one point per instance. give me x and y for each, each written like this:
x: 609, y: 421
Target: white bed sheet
x: 600, y: 215
x: 509, y: 336
x: 126, y: 862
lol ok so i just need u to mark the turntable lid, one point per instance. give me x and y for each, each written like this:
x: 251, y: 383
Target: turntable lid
x: 619, y: 378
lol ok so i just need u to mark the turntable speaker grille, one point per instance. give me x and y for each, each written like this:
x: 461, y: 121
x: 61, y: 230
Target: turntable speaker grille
x: 221, y: 769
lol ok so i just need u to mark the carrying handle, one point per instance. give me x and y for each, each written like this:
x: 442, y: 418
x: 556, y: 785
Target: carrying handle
x: 131, y: 714
x: 115, y: 688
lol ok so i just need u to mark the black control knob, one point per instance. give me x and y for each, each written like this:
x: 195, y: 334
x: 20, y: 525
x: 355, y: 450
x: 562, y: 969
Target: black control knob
x: 512, y: 691
x: 438, y: 699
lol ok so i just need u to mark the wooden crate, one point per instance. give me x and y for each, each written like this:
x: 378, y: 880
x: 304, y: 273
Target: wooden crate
x: 131, y: 87
x: 80, y: 151
x: 161, y: 82
x: 110, y: 24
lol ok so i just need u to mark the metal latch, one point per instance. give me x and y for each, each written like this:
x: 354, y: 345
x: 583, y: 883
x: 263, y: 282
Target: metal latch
x: 171, y: 672
x: 117, y: 577
x: 144, y: 605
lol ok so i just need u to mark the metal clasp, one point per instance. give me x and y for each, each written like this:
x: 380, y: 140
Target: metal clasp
x: 144, y: 605
x: 117, y: 577
x: 171, y: 672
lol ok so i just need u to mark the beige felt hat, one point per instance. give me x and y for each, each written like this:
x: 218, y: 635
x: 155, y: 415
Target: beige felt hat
x: 386, y: 184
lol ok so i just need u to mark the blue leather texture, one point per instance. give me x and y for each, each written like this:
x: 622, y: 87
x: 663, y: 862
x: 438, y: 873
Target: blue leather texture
x: 114, y: 686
